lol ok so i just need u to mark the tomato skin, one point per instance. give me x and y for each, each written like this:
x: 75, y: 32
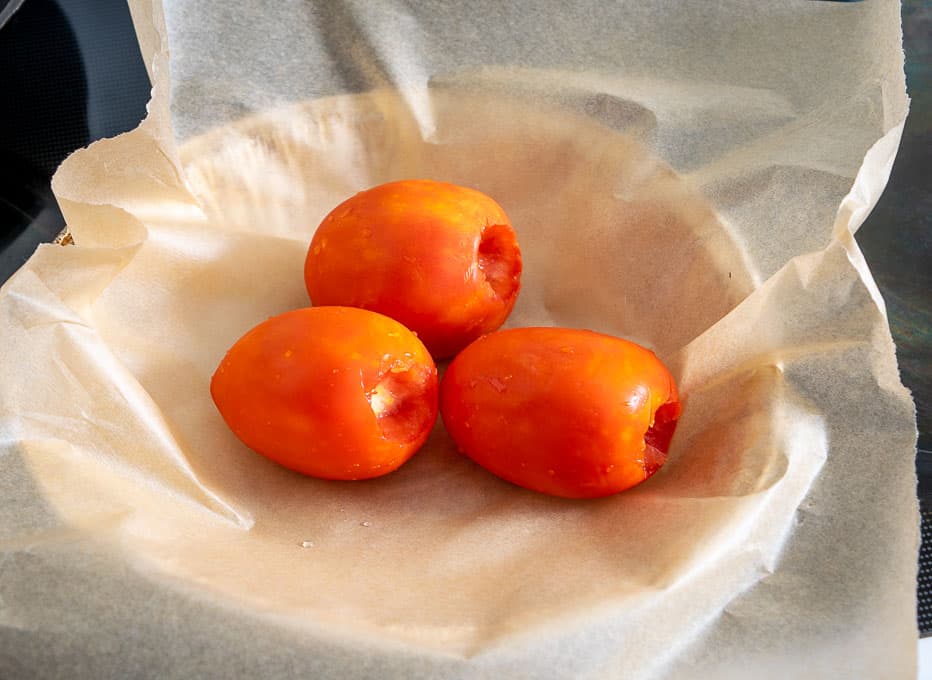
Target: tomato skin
x: 440, y: 258
x: 303, y: 389
x: 562, y: 411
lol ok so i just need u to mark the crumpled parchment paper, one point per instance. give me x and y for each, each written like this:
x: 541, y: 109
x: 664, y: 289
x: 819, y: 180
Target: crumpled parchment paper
x: 689, y: 176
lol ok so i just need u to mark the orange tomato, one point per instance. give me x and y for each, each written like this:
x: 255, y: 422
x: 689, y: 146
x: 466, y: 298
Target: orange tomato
x: 440, y: 258
x: 333, y: 392
x: 566, y: 412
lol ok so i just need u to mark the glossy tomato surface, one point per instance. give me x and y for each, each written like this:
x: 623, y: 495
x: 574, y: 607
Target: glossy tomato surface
x: 333, y: 392
x: 440, y: 258
x: 565, y: 412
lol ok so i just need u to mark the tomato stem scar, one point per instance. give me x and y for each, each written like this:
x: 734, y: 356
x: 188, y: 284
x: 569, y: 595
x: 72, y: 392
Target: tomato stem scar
x: 499, y: 260
x: 397, y: 402
x: 658, y: 436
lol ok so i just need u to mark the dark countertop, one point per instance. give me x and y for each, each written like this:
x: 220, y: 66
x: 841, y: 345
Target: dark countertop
x: 897, y: 237
x: 897, y: 242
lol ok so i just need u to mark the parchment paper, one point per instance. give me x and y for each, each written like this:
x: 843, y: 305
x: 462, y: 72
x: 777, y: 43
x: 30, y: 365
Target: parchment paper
x: 688, y: 175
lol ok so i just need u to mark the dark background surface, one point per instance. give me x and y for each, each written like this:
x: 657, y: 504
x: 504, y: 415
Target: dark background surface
x: 897, y: 242
x: 70, y: 73
x: 897, y: 236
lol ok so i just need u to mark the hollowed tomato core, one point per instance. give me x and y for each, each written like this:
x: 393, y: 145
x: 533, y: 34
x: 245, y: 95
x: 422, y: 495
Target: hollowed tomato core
x: 658, y: 436
x: 499, y: 260
x: 399, y: 406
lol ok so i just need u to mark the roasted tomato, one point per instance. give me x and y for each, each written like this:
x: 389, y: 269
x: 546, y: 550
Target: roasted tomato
x: 333, y: 392
x: 566, y: 412
x: 440, y: 258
